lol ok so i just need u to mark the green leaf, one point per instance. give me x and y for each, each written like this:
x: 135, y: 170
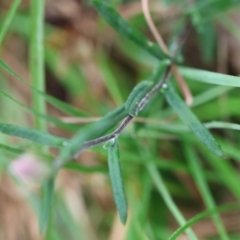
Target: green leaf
x: 46, y: 207
x: 124, y: 28
x: 141, y: 89
x: 116, y: 181
x: 210, y: 77
x: 191, y: 120
x: 32, y: 134
x: 135, y: 97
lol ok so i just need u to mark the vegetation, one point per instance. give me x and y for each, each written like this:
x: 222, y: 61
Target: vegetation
x: 163, y: 158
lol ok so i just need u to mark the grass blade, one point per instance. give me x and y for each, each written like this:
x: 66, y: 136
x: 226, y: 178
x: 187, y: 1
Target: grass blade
x: 210, y: 77
x: 203, y: 215
x: 46, y: 204
x: 67, y: 108
x: 201, y: 183
x: 37, y: 59
x: 191, y: 120
x: 32, y: 134
x: 124, y: 28
x: 116, y: 180
x: 158, y: 181
x: 9, y: 17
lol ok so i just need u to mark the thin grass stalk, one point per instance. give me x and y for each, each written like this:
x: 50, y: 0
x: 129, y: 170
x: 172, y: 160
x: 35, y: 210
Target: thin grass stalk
x: 201, y: 183
x: 37, y: 60
x: 160, y: 185
x: 9, y: 17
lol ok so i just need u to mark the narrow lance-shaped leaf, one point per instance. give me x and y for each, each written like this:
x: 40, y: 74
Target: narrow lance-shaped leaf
x: 46, y: 204
x: 124, y: 28
x: 186, y: 115
x: 32, y: 134
x: 116, y: 180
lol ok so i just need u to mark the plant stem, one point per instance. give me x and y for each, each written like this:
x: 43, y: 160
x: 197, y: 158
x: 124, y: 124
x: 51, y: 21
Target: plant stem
x: 37, y: 60
x: 9, y: 17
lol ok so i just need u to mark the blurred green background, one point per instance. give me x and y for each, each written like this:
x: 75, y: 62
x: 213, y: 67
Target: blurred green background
x: 90, y: 69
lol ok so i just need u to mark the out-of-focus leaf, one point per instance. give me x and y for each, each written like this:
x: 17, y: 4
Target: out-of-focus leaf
x: 124, y: 28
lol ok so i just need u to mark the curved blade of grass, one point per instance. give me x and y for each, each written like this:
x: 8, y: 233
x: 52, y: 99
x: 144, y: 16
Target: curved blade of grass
x: 201, y: 183
x: 116, y: 180
x: 228, y: 174
x: 210, y: 77
x: 203, y: 215
x: 10, y: 15
x: 114, y: 19
x: 32, y: 134
x: 158, y: 181
x: 191, y: 120
x: 46, y: 204
x: 67, y: 108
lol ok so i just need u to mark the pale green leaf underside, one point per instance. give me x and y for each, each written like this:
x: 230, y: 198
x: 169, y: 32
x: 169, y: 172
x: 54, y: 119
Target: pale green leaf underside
x: 116, y: 181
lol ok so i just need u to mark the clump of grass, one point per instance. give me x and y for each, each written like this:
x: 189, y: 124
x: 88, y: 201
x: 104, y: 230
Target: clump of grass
x: 148, y: 99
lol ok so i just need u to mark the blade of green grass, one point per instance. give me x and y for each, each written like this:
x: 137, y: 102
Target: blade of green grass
x: 203, y: 215
x: 67, y: 108
x: 210, y: 77
x: 37, y: 60
x: 33, y: 135
x: 110, y: 79
x: 229, y: 175
x: 210, y: 94
x: 125, y: 29
x: 202, y: 185
x: 9, y: 17
x: 159, y: 183
x: 46, y: 205
x: 191, y: 120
